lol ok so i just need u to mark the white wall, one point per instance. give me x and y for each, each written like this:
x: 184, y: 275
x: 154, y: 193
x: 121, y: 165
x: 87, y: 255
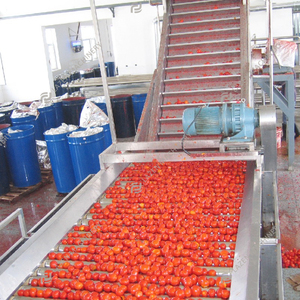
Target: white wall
x: 134, y: 40
x: 282, y: 23
x: 106, y: 39
x: 24, y: 61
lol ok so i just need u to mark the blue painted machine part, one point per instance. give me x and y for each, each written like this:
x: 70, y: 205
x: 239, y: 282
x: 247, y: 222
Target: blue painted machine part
x: 236, y: 121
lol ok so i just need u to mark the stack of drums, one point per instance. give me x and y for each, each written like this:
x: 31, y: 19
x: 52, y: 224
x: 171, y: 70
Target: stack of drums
x: 75, y: 157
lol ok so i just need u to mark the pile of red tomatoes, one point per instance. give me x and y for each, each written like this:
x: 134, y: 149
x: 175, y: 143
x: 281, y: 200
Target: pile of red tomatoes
x: 290, y: 258
x: 163, y: 231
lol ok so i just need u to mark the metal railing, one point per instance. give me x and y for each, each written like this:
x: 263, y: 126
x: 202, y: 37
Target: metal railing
x: 18, y: 213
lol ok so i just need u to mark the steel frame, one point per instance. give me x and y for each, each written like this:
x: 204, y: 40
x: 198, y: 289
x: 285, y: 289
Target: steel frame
x: 285, y: 103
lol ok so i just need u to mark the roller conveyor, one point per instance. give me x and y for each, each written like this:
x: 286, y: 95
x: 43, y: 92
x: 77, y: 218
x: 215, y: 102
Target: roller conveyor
x: 167, y: 218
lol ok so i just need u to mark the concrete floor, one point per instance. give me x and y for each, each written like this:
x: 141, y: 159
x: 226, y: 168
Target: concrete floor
x: 40, y: 202
x: 288, y: 196
x: 289, y: 293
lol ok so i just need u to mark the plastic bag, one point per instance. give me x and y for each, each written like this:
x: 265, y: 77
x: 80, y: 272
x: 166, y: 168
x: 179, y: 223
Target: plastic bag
x: 24, y: 111
x: 285, y: 52
x: 13, y: 105
x: 99, y: 99
x: 7, y: 103
x: 92, y: 115
x: 11, y: 131
x: 87, y: 132
x: 63, y: 128
x: 43, y: 155
x: 56, y: 99
x: 40, y: 104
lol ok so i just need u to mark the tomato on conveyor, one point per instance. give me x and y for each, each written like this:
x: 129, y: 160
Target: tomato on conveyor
x: 162, y: 231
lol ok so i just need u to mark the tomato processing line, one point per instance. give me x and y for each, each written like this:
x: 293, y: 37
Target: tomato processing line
x: 160, y: 177
x: 33, y: 257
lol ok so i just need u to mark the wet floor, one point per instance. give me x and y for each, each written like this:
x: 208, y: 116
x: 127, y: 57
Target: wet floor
x: 35, y: 206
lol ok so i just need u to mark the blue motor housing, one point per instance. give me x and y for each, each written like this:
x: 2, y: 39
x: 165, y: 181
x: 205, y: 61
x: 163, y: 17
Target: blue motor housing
x: 235, y: 121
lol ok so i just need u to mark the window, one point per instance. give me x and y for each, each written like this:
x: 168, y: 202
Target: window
x: 296, y: 29
x: 52, y: 48
x: 87, y: 46
x: 2, y: 77
x: 88, y: 41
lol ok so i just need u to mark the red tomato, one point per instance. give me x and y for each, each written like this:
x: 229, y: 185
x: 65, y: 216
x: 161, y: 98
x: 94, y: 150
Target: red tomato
x: 56, y: 294
x: 32, y: 292
x: 47, y: 293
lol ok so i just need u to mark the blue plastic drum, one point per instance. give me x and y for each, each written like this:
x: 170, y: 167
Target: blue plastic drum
x: 107, y: 136
x: 59, y: 117
x: 85, y: 154
x: 48, y: 118
x: 61, y: 162
x: 31, y: 120
x: 123, y: 115
x: 110, y: 69
x: 72, y: 108
x: 138, y: 102
x: 22, y: 156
